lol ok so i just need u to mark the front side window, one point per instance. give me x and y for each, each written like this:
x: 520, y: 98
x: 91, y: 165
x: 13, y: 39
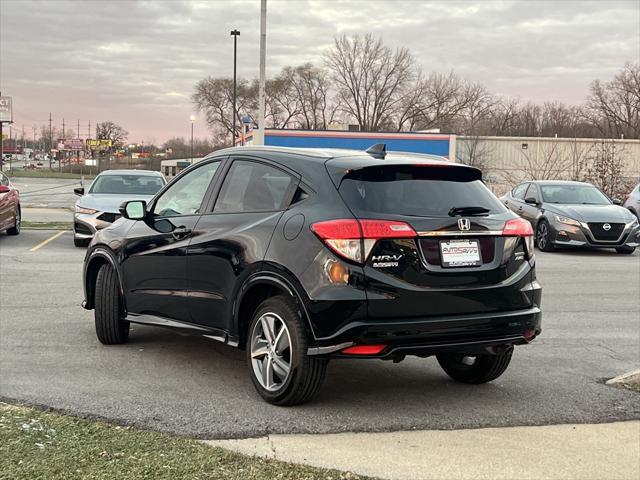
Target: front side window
x: 127, y: 184
x: 518, y: 192
x: 185, y: 195
x: 253, y: 187
x: 533, y: 193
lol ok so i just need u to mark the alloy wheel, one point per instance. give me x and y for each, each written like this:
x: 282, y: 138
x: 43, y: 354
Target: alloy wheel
x: 543, y: 234
x: 271, y: 351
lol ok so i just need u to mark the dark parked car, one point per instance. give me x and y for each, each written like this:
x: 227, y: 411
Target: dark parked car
x: 300, y: 256
x: 632, y: 202
x: 574, y: 214
x: 9, y: 207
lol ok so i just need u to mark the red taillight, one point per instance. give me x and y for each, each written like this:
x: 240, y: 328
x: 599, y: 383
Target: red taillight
x: 354, y: 239
x: 376, y: 229
x: 519, y: 227
x: 364, y: 350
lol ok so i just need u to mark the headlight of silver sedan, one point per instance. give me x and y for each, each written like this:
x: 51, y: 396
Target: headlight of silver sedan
x: 89, y: 211
x: 567, y: 221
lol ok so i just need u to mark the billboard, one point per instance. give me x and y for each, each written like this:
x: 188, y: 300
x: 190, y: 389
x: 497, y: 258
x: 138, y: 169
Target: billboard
x: 98, y: 144
x: 71, y: 144
x: 6, y: 109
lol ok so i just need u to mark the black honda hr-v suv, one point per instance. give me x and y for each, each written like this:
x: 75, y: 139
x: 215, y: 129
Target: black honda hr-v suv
x: 303, y: 255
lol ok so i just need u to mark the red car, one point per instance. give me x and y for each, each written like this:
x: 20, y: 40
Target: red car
x: 9, y: 207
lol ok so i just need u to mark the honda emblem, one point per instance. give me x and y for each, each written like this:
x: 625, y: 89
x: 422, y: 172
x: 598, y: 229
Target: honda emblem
x: 464, y: 224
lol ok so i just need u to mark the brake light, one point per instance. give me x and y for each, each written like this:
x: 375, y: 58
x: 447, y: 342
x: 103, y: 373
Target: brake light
x: 364, y: 350
x: 354, y: 239
x: 519, y: 227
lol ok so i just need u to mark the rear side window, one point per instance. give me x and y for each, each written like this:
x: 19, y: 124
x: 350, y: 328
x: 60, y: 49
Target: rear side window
x: 253, y: 187
x: 414, y: 191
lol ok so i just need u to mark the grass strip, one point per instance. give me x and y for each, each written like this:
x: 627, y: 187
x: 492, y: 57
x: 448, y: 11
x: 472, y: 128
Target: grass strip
x: 46, y: 225
x: 38, y: 445
x: 46, y: 174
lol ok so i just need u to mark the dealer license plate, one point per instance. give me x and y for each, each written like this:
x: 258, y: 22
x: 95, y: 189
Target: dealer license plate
x: 460, y: 253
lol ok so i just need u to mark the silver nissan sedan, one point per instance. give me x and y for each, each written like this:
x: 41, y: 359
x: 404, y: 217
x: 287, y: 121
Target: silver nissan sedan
x: 99, y: 207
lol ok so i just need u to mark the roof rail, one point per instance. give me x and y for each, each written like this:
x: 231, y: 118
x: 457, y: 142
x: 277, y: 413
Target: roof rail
x: 379, y: 150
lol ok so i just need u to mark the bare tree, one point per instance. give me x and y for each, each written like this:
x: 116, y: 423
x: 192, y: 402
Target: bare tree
x: 111, y: 131
x: 370, y: 78
x: 317, y: 108
x: 606, y: 168
x: 614, y: 107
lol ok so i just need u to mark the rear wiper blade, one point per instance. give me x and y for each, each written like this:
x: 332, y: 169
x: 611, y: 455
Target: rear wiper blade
x: 471, y: 211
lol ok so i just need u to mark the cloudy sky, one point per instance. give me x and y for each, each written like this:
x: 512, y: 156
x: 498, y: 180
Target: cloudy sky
x: 136, y: 62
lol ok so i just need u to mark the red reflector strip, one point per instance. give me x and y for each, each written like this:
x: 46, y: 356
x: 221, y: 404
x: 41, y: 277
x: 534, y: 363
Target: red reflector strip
x: 364, y: 349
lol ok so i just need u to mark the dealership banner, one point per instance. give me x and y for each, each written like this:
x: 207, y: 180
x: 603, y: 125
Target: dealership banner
x: 6, y: 109
x: 99, y: 144
x: 71, y: 144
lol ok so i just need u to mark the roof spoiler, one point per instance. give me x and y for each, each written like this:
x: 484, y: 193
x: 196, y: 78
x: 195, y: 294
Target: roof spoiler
x: 379, y: 150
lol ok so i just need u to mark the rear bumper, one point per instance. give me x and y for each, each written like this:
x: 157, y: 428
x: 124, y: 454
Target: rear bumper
x: 427, y: 336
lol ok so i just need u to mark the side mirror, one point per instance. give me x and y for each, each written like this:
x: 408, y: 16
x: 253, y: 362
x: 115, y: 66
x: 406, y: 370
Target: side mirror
x: 617, y: 201
x: 4, y: 188
x: 531, y: 201
x: 134, y: 209
x: 79, y: 191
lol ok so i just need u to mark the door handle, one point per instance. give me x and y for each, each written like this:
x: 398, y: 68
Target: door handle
x: 180, y: 232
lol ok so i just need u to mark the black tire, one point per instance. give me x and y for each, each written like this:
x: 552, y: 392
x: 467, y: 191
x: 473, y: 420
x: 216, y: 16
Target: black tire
x: 543, y: 236
x: 306, y: 372
x: 15, y: 230
x: 625, y: 250
x: 485, y: 368
x: 81, y: 242
x: 111, y: 329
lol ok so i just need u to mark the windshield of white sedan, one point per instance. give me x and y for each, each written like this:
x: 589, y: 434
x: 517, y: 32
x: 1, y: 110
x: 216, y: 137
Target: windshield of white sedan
x: 127, y: 184
x: 573, y: 194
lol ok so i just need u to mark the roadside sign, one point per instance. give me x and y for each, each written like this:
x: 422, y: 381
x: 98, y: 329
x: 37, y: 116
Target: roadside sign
x: 99, y: 144
x: 71, y: 144
x: 90, y: 162
x: 6, y: 109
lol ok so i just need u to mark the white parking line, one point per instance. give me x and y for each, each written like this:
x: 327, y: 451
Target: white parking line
x: 50, y: 239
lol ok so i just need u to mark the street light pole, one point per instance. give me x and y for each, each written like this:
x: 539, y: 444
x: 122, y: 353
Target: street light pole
x: 193, y: 119
x: 234, y: 34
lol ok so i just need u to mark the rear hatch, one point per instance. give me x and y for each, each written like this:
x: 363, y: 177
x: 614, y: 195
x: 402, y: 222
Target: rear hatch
x: 461, y: 251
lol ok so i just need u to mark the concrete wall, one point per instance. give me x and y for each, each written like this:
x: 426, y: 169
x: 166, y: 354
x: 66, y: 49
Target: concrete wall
x: 508, y: 160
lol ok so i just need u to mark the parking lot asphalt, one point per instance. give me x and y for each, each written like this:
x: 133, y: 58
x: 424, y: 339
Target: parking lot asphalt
x: 49, y: 355
x: 47, y: 192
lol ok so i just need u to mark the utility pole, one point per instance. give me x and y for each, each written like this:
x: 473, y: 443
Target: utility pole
x: 234, y: 34
x: 50, y: 141
x: 259, y: 138
x: 23, y: 159
x: 61, y: 154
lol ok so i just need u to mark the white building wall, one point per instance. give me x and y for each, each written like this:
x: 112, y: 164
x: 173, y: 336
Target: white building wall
x: 508, y: 160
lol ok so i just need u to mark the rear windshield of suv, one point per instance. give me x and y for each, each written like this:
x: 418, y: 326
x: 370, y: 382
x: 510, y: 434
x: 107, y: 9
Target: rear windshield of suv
x: 419, y: 191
